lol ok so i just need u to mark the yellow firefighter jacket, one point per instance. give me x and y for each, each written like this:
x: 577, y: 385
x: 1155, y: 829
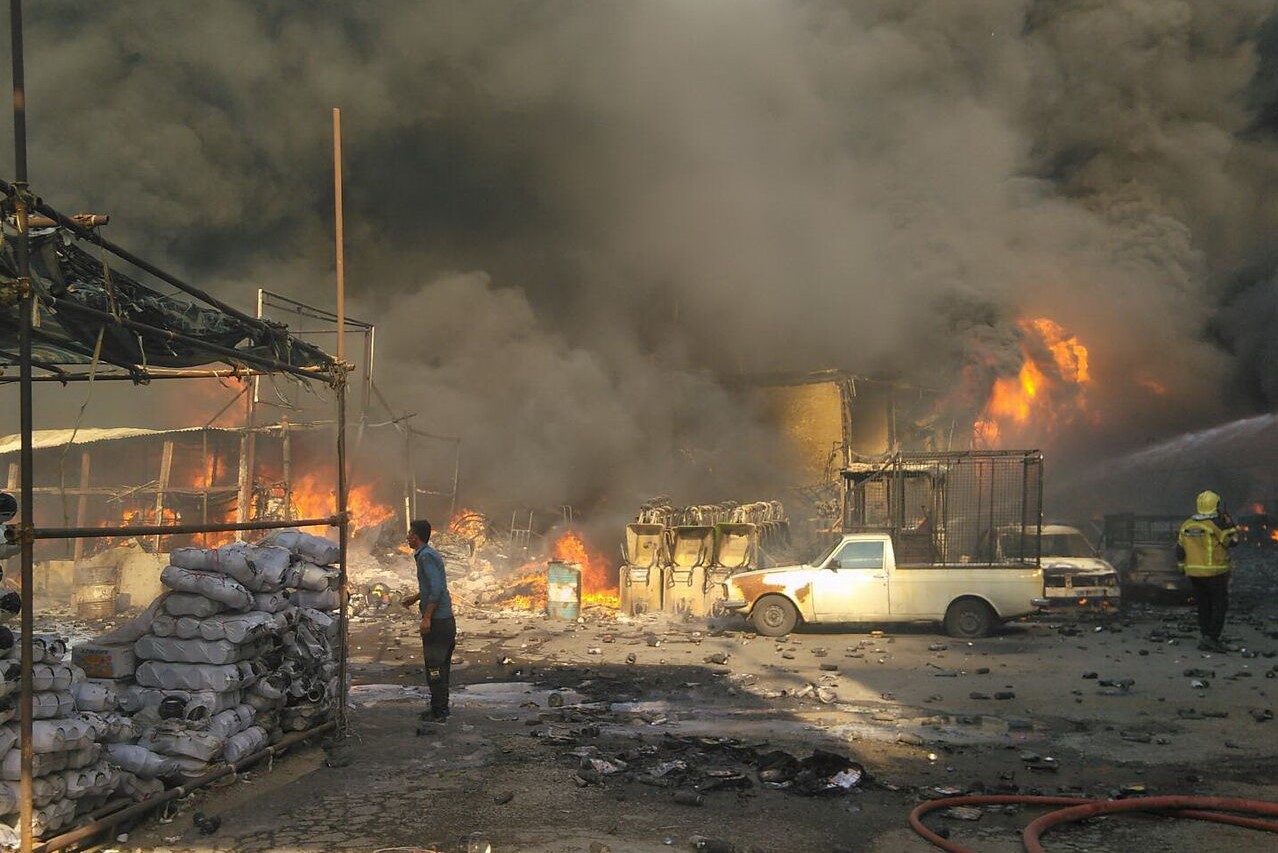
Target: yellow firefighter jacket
x: 1206, y: 547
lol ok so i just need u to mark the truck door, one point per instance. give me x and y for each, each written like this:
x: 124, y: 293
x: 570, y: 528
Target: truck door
x: 852, y: 586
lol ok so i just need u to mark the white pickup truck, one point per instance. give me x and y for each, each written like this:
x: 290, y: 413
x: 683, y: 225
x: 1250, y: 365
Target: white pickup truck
x: 858, y: 580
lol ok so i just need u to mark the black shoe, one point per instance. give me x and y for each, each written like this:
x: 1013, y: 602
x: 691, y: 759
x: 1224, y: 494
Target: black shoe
x: 1218, y: 646
x: 1204, y: 645
x: 433, y: 716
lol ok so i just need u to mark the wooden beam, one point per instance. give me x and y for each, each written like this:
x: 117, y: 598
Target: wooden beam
x: 81, y: 505
x: 166, y: 468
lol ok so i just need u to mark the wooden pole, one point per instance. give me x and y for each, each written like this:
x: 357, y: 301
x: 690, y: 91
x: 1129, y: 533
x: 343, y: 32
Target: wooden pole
x: 287, y: 450
x: 82, y: 504
x: 340, y: 234
x: 166, y: 468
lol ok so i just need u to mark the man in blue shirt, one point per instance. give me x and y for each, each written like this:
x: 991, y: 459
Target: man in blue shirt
x: 438, y: 628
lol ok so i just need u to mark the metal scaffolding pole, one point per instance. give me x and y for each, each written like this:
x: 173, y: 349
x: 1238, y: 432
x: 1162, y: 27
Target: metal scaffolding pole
x: 27, y: 460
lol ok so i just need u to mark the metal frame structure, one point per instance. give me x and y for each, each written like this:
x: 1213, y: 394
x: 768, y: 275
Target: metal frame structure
x: 23, y: 203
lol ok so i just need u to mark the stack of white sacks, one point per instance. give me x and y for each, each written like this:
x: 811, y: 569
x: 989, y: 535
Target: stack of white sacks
x: 239, y: 650
x: 72, y: 774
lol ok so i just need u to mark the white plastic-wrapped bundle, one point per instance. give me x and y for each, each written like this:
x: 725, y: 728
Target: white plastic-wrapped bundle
x: 244, y: 744
x: 45, y: 648
x: 198, y: 703
x: 53, y: 735
x: 316, y: 549
x: 177, y: 740
x: 256, y: 567
x: 43, y: 763
x: 232, y: 721
x: 84, y: 756
x: 51, y: 676
x: 94, y: 695
x: 304, y: 575
x: 190, y: 604
x: 111, y: 727
x: 11, y: 795
x: 176, y: 650
x: 189, y: 676
x: 92, y: 781
x: 235, y: 627
x: 213, y: 586
x: 322, y: 621
x: 138, y: 788
x: 52, y: 703
x: 325, y: 600
x: 46, y: 789
x: 271, y: 602
x: 10, y: 676
x: 140, y: 761
x: 53, y: 817
x: 8, y: 739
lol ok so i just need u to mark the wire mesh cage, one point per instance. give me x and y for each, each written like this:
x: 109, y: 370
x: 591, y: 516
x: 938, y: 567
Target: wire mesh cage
x: 950, y: 508
x: 1127, y: 530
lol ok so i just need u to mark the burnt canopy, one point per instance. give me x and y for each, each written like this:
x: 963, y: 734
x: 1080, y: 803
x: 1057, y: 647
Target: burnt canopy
x: 80, y: 296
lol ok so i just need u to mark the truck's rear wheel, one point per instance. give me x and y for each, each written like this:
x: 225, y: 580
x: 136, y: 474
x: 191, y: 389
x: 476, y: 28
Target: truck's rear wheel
x: 969, y: 618
x: 774, y: 616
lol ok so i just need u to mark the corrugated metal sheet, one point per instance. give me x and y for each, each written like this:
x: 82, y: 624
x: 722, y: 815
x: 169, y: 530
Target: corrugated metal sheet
x: 43, y: 438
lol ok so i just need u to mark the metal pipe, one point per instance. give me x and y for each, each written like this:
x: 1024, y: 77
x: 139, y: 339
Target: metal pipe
x: 141, y: 377
x: 302, y: 309
x: 167, y: 529
x: 88, y: 234
x: 170, y: 335
x: 89, y: 830
x: 26, y: 305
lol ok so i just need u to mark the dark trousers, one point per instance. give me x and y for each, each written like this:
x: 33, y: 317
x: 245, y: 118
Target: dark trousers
x: 437, y: 650
x: 1212, y: 595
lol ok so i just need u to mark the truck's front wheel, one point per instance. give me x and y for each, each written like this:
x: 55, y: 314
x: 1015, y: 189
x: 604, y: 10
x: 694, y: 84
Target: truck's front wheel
x: 969, y: 618
x: 774, y: 616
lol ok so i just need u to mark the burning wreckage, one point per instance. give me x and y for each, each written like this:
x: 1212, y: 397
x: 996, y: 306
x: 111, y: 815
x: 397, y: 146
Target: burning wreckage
x: 239, y: 652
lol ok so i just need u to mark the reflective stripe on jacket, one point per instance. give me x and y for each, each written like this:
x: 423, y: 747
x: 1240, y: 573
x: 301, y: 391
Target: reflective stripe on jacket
x: 1206, y: 547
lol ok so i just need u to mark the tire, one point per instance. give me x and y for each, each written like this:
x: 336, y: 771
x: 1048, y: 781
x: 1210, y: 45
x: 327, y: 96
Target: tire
x: 969, y: 618
x: 774, y: 616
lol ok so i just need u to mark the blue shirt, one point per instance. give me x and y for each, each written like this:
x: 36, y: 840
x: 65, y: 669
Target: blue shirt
x: 432, y: 583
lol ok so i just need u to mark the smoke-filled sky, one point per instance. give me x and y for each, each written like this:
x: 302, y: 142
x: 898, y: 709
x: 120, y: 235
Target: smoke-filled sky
x: 568, y: 218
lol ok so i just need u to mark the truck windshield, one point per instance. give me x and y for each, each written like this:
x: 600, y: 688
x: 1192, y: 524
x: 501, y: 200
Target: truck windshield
x: 824, y: 553
x: 1066, y: 545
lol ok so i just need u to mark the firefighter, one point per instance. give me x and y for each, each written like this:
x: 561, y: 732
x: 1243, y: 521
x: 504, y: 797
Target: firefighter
x: 1202, y: 548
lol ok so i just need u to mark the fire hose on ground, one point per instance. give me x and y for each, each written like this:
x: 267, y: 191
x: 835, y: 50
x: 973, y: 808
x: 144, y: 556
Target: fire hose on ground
x: 1215, y: 809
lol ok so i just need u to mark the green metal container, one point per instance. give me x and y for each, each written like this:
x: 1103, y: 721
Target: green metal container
x: 563, y: 590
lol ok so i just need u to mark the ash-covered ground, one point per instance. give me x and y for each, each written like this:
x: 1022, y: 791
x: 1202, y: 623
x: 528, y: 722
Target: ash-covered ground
x: 588, y: 736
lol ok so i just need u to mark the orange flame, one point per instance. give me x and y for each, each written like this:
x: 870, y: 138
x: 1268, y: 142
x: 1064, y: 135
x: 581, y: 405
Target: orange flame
x: 598, y: 580
x: 314, y: 498
x: 1046, y: 392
